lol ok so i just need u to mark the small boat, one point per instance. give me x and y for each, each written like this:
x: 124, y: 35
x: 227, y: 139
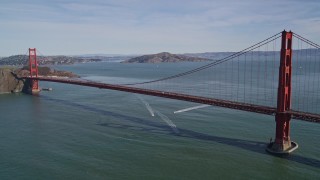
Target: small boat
x: 46, y: 89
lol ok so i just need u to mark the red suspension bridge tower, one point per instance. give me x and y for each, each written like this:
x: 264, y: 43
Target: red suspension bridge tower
x: 33, y: 66
x: 282, y: 143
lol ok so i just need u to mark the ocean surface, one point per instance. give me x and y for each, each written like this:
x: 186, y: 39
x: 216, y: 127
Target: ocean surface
x: 76, y: 132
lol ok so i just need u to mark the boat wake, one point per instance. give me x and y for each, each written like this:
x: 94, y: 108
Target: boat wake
x: 168, y: 121
x: 191, y: 108
x: 147, y: 105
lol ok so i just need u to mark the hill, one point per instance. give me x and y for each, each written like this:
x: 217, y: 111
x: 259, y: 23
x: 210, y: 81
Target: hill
x: 164, y: 57
x: 21, y: 60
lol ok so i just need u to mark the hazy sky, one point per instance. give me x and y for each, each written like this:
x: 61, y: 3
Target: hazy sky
x: 72, y: 27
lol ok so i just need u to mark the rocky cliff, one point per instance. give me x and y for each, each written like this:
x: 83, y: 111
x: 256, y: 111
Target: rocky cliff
x: 10, y: 80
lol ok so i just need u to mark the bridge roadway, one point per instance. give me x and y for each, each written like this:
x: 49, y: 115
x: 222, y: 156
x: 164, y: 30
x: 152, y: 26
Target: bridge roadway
x: 184, y: 97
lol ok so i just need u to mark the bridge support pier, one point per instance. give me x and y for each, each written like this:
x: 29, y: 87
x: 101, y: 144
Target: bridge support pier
x: 283, y: 144
x: 35, y: 91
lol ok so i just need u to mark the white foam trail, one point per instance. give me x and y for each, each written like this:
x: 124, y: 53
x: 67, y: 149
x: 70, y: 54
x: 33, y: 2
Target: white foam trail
x: 168, y: 121
x: 191, y: 108
x: 147, y: 105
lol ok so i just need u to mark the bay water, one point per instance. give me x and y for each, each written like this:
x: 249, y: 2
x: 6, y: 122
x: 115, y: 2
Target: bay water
x: 76, y: 132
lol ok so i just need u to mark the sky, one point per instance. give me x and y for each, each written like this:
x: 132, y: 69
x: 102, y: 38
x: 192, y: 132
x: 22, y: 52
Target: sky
x: 76, y: 27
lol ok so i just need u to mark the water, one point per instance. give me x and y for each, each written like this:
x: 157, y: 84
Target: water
x: 76, y: 132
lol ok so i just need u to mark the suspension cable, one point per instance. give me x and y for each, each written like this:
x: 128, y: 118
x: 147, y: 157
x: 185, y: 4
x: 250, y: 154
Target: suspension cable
x: 306, y: 41
x: 251, y: 48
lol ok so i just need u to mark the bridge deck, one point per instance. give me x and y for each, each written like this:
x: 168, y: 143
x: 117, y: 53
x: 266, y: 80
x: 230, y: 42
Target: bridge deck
x: 184, y: 97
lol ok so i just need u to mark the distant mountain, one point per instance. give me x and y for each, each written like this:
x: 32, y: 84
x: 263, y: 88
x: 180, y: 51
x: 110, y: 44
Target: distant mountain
x: 164, y: 57
x: 210, y: 55
x: 21, y: 60
x: 220, y: 55
x: 106, y: 55
x: 109, y: 58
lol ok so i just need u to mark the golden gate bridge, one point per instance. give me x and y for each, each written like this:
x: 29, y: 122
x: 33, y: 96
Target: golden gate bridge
x: 259, y: 79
